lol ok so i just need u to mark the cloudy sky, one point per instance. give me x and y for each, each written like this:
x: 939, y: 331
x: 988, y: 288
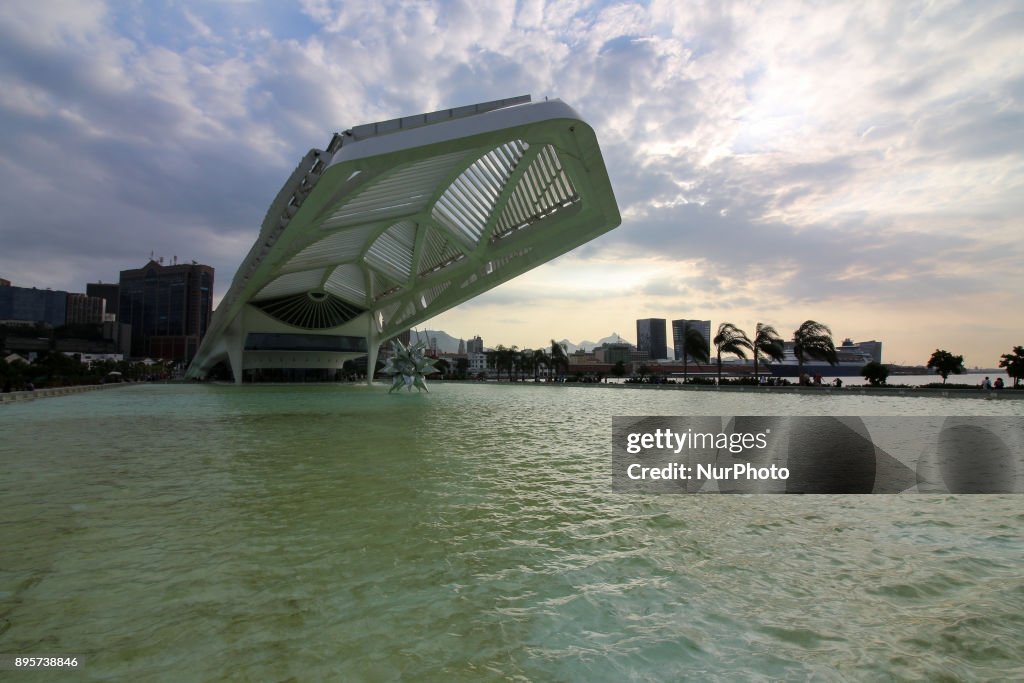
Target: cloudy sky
x: 861, y: 164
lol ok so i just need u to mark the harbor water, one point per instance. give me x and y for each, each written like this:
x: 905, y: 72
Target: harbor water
x: 204, y: 533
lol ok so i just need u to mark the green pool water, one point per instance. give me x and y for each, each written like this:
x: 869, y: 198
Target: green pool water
x: 303, y: 533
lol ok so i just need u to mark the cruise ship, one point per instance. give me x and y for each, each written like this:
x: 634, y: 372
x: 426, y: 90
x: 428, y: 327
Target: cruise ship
x: 852, y: 356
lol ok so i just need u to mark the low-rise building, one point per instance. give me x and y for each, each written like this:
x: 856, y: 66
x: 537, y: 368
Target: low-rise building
x: 477, y: 361
x: 582, y: 358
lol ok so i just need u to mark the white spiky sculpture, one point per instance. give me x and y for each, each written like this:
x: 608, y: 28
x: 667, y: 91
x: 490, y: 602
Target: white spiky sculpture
x: 408, y: 366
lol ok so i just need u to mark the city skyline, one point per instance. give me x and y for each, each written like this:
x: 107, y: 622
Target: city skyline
x: 867, y: 175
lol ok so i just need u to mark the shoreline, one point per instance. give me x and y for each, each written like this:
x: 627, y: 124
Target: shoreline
x: 50, y: 392
x: 910, y: 392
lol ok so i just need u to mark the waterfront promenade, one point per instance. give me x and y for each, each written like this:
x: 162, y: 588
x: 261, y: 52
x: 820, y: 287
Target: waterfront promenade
x: 913, y: 392
x: 17, y: 396
x: 910, y: 392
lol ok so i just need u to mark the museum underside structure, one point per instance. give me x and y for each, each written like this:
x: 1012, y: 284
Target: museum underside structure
x: 397, y: 221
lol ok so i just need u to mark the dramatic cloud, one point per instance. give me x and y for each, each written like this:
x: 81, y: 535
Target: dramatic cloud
x: 857, y: 163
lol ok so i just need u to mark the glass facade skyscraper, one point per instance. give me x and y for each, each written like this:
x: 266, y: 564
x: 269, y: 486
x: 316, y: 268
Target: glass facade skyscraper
x: 678, y: 327
x: 168, y: 307
x: 650, y: 338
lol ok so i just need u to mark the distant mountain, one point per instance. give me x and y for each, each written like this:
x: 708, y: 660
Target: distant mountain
x: 588, y: 346
x: 445, y: 342
x: 613, y: 339
x: 568, y: 345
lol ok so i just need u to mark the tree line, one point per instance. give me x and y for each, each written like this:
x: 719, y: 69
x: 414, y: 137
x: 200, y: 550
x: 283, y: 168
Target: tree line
x: 811, y: 341
x: 55, y: 369
x: 513, y: 362
x: 945, y: 364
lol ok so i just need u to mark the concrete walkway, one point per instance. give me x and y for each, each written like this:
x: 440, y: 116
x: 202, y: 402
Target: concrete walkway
x: 919, y: 392
x: 15, y: 396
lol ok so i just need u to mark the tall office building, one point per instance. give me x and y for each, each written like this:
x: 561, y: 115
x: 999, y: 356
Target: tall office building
x: 168, y: 307
x: 475, y: 345
x: 109, y: 292
x: 82, y: 309
x: 28, y: 304
x: 650, y: 338
x: 702, y: 326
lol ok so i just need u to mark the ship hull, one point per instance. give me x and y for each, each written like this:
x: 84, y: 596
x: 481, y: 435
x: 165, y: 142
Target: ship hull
x: 812, y: 369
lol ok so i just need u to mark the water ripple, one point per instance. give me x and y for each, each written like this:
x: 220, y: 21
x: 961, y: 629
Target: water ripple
x: 318, y: 533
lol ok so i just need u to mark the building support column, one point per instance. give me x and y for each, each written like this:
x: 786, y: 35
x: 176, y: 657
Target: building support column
x: 234, y: 340
x: 235, y: 354
x: 372, y: 348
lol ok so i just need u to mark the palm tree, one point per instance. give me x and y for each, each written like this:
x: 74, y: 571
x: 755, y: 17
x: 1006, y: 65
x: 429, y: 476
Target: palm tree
x: 540, y: 359
x: 558, y: 357
x: 502, y: 358
x: 642, y: 371
x: 492, y: 360
x: 730, y: 339
x: 507, y: 357
x: 767, y: 343
x: 524, y: 359
x: 619, y: 369
x: 813, y: 340
x: 695, y: 345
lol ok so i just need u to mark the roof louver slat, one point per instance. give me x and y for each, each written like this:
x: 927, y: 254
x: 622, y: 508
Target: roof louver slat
x: 383, y: 285
x: 404, y: 191
x: 335, y: 248
x: 291, y: 283
x: 346, y: 282
x: 558, y: 188
x: 310, y: 310
x: 543, y: 189
x: 467, y: 204
x: 517, y: 208
x: 434, y: 292
x: 470, y: 205
x: 437, y: 252
x: 392, y: 251
x: 484, y: 186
